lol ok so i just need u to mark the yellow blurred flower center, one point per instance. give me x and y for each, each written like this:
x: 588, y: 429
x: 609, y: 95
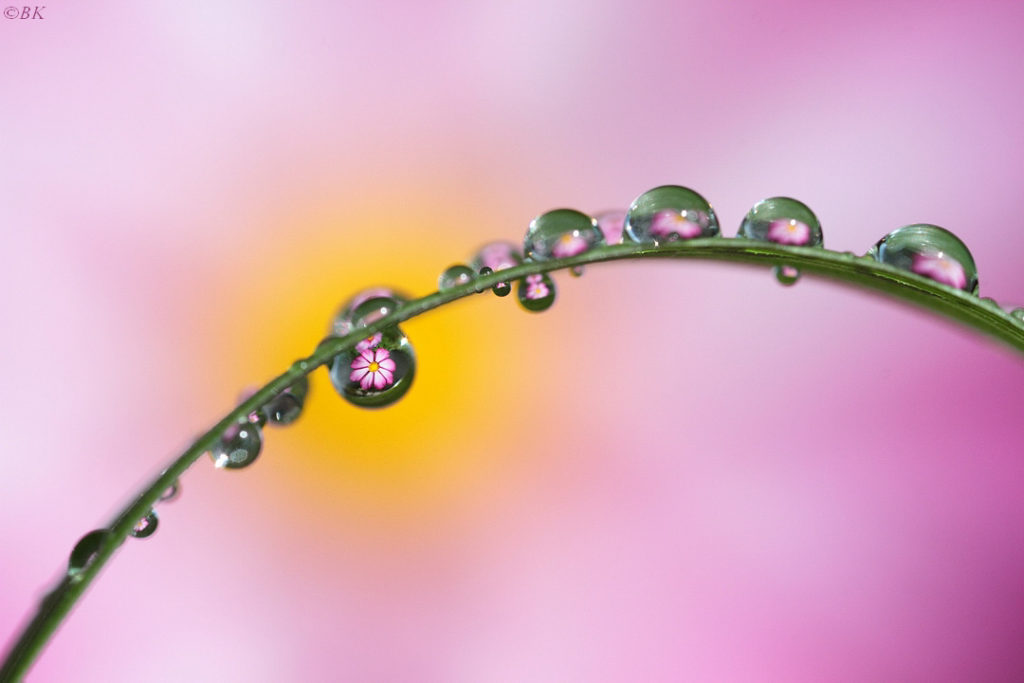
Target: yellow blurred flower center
x: 374, y: 366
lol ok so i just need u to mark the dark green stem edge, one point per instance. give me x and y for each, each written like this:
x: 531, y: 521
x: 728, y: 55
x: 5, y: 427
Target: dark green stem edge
x: 981, y: 315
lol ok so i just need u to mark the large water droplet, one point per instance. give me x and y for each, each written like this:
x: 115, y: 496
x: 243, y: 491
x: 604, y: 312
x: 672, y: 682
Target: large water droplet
x: 343, y: 320
x: 238, y: 446
x: 930, y: 251
x: 286, y: 407
x: 536, y: 292
x: 670, y: 213
x: 172, y: 492
x: 85, y: 550
x: 496, y: 256
x: 612, y: 223
x: 782, y: 220
x: 455, y: 276
x: 377, y: 372
x: 146, y: 526
x: 561, y: 233
x: 787, y: 275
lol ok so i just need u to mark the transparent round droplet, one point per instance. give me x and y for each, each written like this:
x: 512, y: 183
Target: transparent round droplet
x: 496, y: 256
x: 670, y: 213
x: 85, y: 550
x: 172, y: 493
x: 484, y: 272
x: 1018, y: 313
x: 146, y: 526
x: 612, y: 224
x: 787, y: 275
x: 238, y: 446
x: 342, y: 323
x: 455, y: 276
x: 782, y: 220
x: 377, y: 372
x: 502, y: 288
x: 536, y: 292
x: 930, y: 251
x: 576, y: 271
x: 561, y: 233
x: 286, y: 407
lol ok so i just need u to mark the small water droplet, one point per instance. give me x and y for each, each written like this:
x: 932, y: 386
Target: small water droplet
x: 612, y: 224
x: 342, y: 323
x: 172, y: 492
x: 536, y: 292
x: 455, y: 276
x: 238, y: 446
x: 86, y: 550
x: 146, y: 526
x: 1018, y: 313
x: 496, y: 256
x: 561, y: 233
x: 576, y: 271
x: 484, y: 272
x: 930, y: 251
x: 502, y: 288
x: 670, y: 213
x: 377, y: 372
x: 782, y: 220
x: 787, y: 275
x: 287, y: 406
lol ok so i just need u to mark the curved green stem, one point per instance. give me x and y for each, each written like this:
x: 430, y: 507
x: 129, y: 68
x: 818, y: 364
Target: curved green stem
x: 984, y: 316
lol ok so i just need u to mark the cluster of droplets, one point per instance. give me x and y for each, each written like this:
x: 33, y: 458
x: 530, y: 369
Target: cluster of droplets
x: 379, y: 368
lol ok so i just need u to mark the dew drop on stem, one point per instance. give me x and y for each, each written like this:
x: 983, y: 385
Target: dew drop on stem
x: 146, y: 526
x: 536, y: 292
x: 929, y: 251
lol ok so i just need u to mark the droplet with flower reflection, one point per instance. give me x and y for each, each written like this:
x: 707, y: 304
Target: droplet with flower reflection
x: 782, y: 220
x: 668, y: 214
x: 562, y: 233
x: 146, y: 526
x: 536, y: 292
x: 930, y: 251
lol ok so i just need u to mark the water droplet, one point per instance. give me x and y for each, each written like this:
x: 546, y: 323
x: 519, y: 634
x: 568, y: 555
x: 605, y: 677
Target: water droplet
x: 787, y: 275
x: 670, y: 213
x: 377, y: 372
x: 172, y: 492
x: 561, y: 233
x: 1018, y: 313
x: 238, y: 446
x: 576, y: 271
x: 536, y: 292
x: 502, y: 288
x: 782, y: 220
x: 343, y: 320
x: 287, y: 406
x: 496, y: 256
x: 146, y: 526
x: 484, y: 272
x: 612, y: 223
x: 85, y: 550
x: 455, y: 276
x: 930, y: 251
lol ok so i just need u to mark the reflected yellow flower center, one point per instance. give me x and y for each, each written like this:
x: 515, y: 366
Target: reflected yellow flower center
x: 374, y: 366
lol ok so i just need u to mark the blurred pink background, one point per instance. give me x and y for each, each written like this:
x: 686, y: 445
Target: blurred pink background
x: 797, y: 484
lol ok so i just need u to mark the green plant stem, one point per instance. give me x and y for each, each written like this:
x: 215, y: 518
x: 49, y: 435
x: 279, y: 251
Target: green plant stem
x: 982, y: 316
